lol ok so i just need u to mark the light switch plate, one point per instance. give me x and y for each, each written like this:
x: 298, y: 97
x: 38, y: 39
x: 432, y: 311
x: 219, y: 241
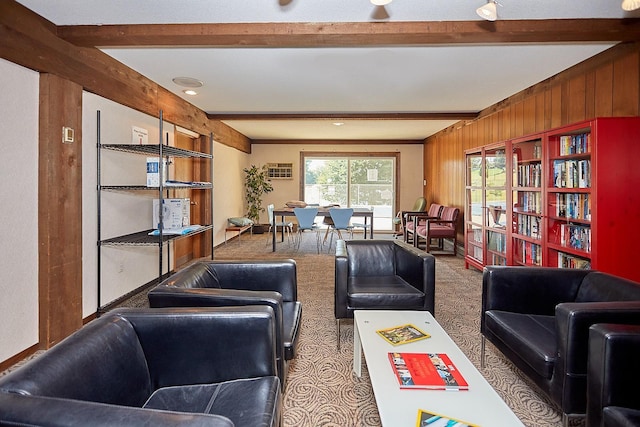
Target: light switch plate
x: 67, y: 135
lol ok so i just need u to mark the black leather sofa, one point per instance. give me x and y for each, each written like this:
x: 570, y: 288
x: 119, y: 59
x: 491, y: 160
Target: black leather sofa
x: 612, y: 376
x: 539, y: 318
x: 382, y: 275
x: 236, y: 283
x: 153, y: 367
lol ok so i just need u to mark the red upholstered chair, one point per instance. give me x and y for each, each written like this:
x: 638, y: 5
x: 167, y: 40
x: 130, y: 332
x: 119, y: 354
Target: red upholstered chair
x: 434, y: 212
x: 440, y: 229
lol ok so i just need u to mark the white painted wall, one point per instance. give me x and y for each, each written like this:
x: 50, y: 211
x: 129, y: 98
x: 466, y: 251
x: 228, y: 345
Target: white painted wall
x: 125, y: 268
x: 411, y: 167
x: 19, y: 211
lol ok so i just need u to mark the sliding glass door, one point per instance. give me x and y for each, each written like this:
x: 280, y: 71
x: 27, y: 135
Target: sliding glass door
x: 352, y: 181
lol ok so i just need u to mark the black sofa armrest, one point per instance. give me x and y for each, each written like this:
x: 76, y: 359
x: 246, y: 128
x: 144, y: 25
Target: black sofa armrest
x: 205, y: 345
x: 573, y: 321
x: 19, y: 409
x: 341, y: 280
x: 529, y: 290
x: 418, y: 268
x: 263, y: 275
x: 613, y: 368
x: 171, y: 296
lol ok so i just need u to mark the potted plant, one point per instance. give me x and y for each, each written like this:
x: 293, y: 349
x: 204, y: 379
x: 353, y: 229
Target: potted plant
x: 256, y: 183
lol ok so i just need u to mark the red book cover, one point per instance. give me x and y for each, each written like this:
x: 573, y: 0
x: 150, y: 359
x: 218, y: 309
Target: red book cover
x: 433, y: 371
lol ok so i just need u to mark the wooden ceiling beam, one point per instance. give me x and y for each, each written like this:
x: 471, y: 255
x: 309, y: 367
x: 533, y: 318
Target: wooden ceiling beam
x: 351, y: 34
x: 338, y: 141
x: 344, y: 116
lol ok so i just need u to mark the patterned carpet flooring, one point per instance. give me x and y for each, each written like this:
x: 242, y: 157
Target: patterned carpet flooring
x: 322, y: 389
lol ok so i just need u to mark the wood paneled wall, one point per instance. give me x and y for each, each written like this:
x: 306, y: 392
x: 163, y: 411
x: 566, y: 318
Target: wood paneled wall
x: 605, y: 85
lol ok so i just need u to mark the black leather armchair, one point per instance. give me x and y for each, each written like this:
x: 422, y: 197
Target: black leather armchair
x: 539, y: 318
x: 382, y: 275
x: 236, y: 283
x: 153, y: 367
x: 612, y: 376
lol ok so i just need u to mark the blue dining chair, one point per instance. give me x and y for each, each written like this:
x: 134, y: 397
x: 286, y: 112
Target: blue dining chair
x: 306, y: 221
x: 341, y: 218
x: 287, y: 226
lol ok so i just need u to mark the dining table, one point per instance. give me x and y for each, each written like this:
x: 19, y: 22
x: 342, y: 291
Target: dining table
x: 323, y: 211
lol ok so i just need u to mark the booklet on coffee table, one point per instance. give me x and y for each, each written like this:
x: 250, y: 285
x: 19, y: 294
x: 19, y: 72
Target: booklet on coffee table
x: 431, y: 419
x: 402, y: 334
x: 434, y: 371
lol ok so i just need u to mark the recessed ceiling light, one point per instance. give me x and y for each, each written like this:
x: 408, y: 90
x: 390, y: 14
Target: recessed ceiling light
x: 190, y: 92
x: 338, y: 123
x: 187, y: 82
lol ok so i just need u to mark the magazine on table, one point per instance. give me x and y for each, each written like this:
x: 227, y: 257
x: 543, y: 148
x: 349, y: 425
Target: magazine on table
x: 431, y: 419
x: 434, y: 371
x: 402, y: 334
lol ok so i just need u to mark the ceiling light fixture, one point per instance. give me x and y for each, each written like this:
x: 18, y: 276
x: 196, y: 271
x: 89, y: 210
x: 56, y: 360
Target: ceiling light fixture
x: 338, y: 123
x: 190, y: 92
x: 187, y: 82
x: 380, y: 2
x: 489, y: 11
x: 630, y: 5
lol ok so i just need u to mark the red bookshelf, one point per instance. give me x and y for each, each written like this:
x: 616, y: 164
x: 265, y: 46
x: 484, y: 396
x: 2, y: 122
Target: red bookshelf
x: 593, y: 196
x: 572, y: 199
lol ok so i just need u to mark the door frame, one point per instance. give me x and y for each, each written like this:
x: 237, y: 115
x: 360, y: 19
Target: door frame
x: 361, y: 154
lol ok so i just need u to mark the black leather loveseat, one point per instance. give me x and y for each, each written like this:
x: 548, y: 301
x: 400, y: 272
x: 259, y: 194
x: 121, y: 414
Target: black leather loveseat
x: 153, y: 367
x: 539, y: 318
x: 382, y: 275
x: 613, y: 374
x: 235, y: 283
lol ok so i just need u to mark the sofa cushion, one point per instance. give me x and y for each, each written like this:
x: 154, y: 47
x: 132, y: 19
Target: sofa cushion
x: 102, y: 362
x: 240, y: 221
x: 198, y: 275
x: 249, y: 402
x: 382, y: 291
x: 366, y: 260
x: 532, y: 337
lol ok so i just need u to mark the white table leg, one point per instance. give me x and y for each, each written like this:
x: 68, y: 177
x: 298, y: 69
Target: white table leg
x: 357, y: 351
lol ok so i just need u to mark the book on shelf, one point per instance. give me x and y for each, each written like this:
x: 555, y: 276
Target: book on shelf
x: 402, y: 334
x: 433, y: 371
x: 432, y: 419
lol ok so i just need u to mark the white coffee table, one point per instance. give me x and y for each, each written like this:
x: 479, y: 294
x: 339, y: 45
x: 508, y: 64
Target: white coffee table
x: 479, y: 405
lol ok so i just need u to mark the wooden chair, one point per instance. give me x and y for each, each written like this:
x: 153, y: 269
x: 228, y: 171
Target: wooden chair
x: 434, y: 212
x: 438, y: 230
x: 420, y: 205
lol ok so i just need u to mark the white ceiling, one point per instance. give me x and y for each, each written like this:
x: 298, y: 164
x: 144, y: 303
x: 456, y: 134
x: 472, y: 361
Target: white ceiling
x: 394, y: 79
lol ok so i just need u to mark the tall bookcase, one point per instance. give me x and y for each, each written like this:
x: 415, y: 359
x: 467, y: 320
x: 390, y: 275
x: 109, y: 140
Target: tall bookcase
x: 135, y: 235
x: 486, y: 204
x: 571, y: 199
x: 527, y: 200
x: 474, y: 211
